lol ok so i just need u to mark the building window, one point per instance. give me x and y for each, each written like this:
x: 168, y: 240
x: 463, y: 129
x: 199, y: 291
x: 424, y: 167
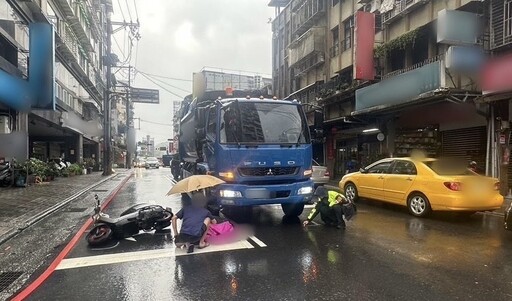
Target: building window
x: 334, y: 2
x: 335, y: 48
x: 348, y: 24
x: 378, y: 23
x: 507, y: 18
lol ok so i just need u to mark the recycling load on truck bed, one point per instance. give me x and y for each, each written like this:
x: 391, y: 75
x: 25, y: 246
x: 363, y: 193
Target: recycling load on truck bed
x: 260, y: 146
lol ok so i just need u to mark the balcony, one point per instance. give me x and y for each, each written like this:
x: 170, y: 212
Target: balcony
x: 66, y: 43
x: 305, y: 13
x: 402, y: 7
x: 309, y: 44
x: 70, y: 10
x: 66, y: 7
x: 67, y: 47
x: 311, y: 61
x: 401, y: 87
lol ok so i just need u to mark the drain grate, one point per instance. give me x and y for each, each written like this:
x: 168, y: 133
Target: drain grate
x: 7, y: 278
x: 74, y: 209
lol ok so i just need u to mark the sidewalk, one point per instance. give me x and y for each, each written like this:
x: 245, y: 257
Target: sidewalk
x: 333, y: 185
x: 22, y: 207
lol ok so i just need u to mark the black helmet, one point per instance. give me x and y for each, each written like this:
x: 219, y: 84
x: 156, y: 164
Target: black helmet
x: 321, y: 192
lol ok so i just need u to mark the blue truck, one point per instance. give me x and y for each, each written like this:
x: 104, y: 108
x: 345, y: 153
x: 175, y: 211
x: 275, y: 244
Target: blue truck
x: 261, y: 147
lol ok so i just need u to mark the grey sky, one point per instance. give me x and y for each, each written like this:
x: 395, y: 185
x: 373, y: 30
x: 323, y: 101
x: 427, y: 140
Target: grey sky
x: 180, y: 37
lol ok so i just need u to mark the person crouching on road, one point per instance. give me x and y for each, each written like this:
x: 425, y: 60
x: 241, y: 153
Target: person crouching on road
x: 196, y: 221
x: 329, y: 206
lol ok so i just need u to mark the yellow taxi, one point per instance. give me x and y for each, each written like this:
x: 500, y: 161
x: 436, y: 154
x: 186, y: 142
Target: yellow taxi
x: 424, y: 185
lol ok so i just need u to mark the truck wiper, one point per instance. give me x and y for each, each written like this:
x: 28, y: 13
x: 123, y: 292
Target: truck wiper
x: 237, y: 141
x: 300, y: 135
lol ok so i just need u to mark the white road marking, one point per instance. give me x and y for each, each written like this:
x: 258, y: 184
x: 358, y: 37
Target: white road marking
x: 72, y: 263
x: 130, y: 239
x: 259, y: 242
x: 309, y: 206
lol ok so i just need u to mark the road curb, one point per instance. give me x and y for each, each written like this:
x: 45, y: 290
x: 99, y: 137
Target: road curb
x: 31, y: 221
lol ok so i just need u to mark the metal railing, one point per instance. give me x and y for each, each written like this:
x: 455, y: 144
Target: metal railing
x: 400, y: 6
x: 415, y: 66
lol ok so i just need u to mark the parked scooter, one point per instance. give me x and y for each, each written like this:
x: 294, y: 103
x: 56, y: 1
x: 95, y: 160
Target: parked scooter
x: 508, y: 218
x: 139, y: 217
x: 6, y: 174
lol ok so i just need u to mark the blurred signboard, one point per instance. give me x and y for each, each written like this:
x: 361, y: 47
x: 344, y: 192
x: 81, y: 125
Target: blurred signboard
x: 401, y: 88
x: 363, y: 46
x: 497, y: 75
x: 465, y: 59
x: 145, y: 95
x: 456, y: 27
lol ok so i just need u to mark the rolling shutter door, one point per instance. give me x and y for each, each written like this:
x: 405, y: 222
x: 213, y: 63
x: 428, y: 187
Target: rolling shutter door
x: 468, y: 144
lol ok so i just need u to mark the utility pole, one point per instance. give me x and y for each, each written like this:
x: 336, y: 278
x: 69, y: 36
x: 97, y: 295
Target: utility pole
x: 107, y: 140
x: 128, y: 119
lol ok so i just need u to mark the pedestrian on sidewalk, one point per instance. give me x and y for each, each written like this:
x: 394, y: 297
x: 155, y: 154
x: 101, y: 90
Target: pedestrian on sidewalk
x: 196, y: 221
x: 329, y: 205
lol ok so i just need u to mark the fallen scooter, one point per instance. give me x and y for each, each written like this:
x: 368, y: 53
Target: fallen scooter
x: 146, y: 217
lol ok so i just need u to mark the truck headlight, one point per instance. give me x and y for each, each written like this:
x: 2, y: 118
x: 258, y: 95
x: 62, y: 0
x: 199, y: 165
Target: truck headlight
x: 227, y: 175
x: 305, y: 190
x: 230, y: 194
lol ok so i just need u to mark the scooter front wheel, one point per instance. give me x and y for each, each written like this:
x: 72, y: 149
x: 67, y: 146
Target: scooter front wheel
x: 99, y: 235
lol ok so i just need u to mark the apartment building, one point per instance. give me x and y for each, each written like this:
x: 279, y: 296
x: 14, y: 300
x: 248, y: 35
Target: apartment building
x: 72, y: 127
x: 391, y: 76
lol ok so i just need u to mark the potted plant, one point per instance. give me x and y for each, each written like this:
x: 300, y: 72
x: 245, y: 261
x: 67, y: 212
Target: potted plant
x: 89, y: 165
x: 75, y: 169
x: 52, y: 171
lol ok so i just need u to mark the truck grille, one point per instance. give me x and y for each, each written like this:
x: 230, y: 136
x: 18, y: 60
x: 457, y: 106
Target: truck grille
x: 267, y: 171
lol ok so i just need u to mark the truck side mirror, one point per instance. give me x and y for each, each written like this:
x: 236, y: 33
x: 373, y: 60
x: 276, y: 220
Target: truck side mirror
x: 318, y: 133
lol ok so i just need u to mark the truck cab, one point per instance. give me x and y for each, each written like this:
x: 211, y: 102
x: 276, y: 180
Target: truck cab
x: 260, y: 147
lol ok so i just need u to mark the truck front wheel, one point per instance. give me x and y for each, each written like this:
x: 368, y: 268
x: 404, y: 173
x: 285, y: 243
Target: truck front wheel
x: 294, y: 209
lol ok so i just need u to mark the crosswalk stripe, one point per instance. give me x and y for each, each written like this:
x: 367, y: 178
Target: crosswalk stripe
x: 259, y: 242
x: 87, y: 261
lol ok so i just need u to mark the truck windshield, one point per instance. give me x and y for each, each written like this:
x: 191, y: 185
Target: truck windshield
x: 263, y: 123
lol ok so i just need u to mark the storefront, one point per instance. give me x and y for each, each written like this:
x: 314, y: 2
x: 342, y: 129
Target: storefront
x: 496, y: 83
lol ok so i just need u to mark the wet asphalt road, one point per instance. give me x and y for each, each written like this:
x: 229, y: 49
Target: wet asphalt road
x: 385, y: 254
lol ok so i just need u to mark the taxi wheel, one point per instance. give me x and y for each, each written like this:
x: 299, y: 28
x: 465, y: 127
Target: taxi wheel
x: 351, y: 192
x: 418, y: 204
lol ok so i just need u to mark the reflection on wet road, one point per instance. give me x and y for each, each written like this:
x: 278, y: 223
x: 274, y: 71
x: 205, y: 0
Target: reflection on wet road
x: 385, y: 254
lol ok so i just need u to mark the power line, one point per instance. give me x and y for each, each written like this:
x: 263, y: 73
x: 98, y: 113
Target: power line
x: 151, y: 80
x: 119, y: 46
x: 129, y: 13
x: 121, y: 9
x: 161, y: 81
x: 153, y: 122
x: 136, y: 58
x: 136, y: 10
x: 166, y: 77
